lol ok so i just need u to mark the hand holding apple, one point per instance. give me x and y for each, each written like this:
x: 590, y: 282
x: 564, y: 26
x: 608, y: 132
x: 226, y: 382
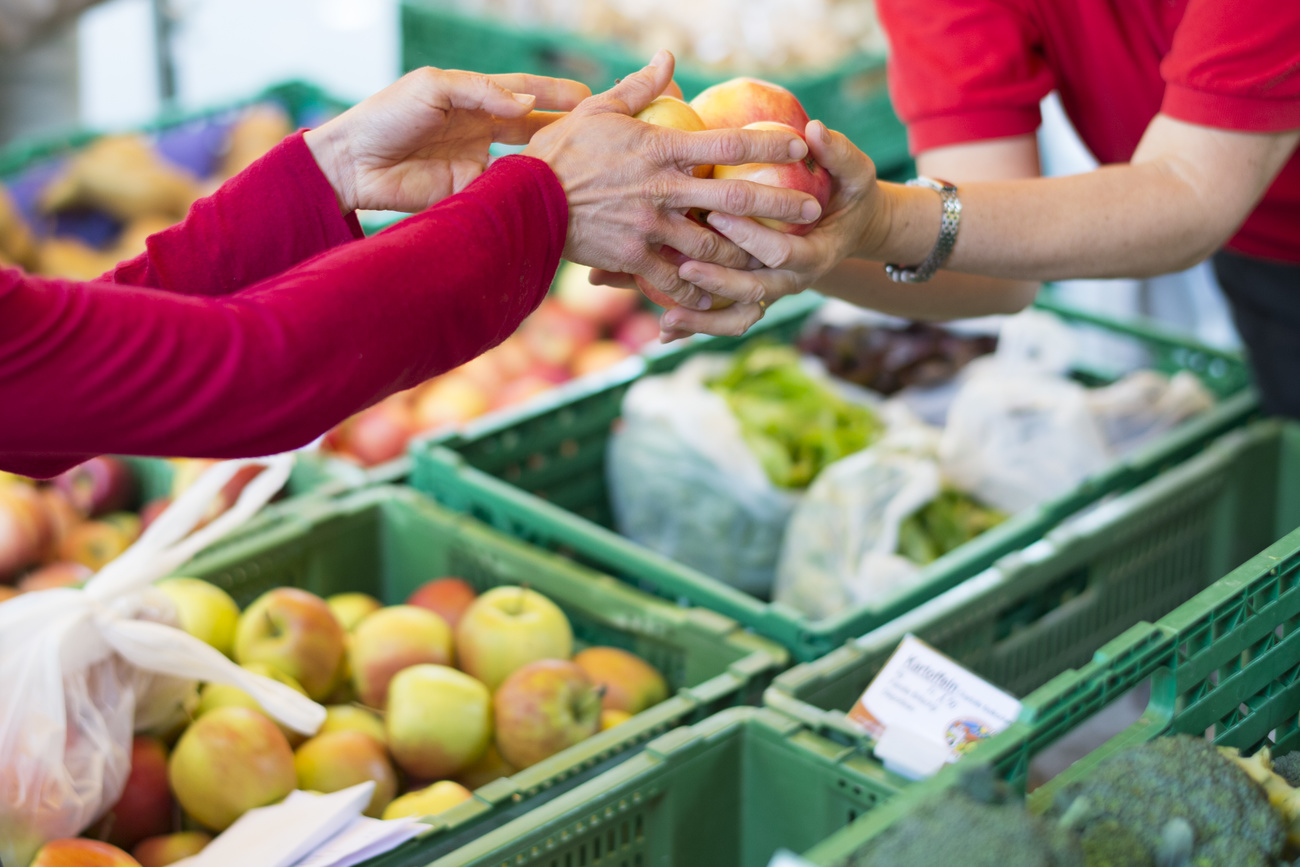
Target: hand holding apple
x: 629, y: 187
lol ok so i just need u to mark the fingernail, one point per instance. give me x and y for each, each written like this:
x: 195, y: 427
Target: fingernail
x: 721, y: 222
x: 704, y: 302
x: 668, y: 322
x: 816, y: 128
x: 525, y: 98
x: 798, y: 148
x: 660, y: 58
x: 810, y: 211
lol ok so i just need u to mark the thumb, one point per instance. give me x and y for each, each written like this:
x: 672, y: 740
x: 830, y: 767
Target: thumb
x: 833, y: 151
x: 641, y: 87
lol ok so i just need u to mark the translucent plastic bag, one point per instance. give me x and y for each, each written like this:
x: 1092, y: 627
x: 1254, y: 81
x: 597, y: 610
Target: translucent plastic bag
x: 1145, y: 404
x: 82, y: 668
x: 1019, y: 431
x: 683, y: 482
x: 839, y: 547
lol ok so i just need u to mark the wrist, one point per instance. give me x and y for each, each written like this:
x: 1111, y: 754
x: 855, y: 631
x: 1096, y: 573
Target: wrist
x: 328, y: 149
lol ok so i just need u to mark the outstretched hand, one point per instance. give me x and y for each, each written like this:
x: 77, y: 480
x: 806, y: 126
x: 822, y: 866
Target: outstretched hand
x: 629, y: 185
x: 426, y: 136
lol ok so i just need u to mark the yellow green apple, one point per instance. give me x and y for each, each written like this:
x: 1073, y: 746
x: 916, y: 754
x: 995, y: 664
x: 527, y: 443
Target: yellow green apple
x: 429, y: 801
x: 351, y: 608
x: 205, y: 610
x: 227, y: 762
x: 350, y: 717
x: 338, y: 760
x: 215, y: 695
x: 170, y: 848
x: 438, y: 721
x: 507, y: 628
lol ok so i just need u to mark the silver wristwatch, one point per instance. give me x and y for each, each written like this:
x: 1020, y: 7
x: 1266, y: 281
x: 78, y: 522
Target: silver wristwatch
x: 948, y: 226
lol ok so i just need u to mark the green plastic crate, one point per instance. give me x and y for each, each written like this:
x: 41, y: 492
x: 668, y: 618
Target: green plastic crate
x: 1224, y: 664
x: 726, y: 792
x: 1044, y: 610
x: 852, y: 98
x: 538, y: 473
x: 387, y: 540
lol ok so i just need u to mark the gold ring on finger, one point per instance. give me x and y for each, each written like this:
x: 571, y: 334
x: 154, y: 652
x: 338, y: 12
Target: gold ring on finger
x: 762, y: 305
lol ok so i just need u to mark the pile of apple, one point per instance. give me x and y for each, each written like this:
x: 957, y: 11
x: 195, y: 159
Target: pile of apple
x: 58, y: 533
x: 742, y: 103
x: 578, y: 329
x: 429, y: 699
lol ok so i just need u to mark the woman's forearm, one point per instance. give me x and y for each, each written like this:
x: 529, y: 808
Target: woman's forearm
x: 948, y: 295
x: 1185, y: 193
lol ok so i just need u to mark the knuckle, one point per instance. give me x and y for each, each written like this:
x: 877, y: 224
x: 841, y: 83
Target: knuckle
x: 731, y: 148
x: 737, y: 198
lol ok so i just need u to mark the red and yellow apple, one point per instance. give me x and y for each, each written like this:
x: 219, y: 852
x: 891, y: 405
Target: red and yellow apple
x: 390, y: 640
x: 294, y: 631
x: 741, y: 101
x: 638, y: 330
x: 606, y: 306
x: 676, y: 257
x: 508, y: 627
x: 337, y: 760
x: 145, y: 806
x: 80, y: 852
x: 61, y: 573
x: 451, y: 399
x: 94, y: 544
x: 448, y: 597
x: 215, y: 695
x: 438, y: 721
x: 806, y: 175
x: 380, y: 433
x: 98, y: 486
x: 227, y: 762
x: 629, y: 682
x: 542, y: 708
x: 205, y: 610
x: 24, y: 529
x: 553, y: 334
x: 600, y: 355
x: 429, y: 801
x: 170, y: 848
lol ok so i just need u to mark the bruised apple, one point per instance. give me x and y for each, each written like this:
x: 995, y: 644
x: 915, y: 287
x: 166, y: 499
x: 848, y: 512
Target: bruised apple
x: 740, y: 102
x: 806, y: 175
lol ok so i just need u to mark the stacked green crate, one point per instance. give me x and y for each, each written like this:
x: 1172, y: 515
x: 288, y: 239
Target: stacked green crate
x: 386, y: 541
x: 538, y: 473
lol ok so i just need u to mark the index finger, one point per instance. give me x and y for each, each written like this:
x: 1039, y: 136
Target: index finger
x: 554, y: 94
x: 734, y: 147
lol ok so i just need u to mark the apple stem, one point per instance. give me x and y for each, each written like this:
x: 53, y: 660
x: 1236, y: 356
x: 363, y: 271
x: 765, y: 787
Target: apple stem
x: 270, y: 622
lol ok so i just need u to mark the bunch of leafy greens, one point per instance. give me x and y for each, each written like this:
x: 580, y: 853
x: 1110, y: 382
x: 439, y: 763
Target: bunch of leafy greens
x: 793, y: 423
x: 949, y: 520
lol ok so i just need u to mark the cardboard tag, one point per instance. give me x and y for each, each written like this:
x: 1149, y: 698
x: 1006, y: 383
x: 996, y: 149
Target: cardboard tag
x: 924, y: 705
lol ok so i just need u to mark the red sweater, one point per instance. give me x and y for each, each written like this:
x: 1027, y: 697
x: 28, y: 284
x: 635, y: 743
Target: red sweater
x: 264, y: 319
x: 965, y: 70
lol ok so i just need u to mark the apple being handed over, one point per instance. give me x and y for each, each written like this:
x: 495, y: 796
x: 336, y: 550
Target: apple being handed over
x: 294, y: 631
x: 543, y: 708
x: 806, y: 175
x: 741, y: 101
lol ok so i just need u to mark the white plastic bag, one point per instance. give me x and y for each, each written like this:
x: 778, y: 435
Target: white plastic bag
x: 1019, y: 431
x: 839, y: 546
x: 1145, y: 404
x: 76, y: 664
x: 683, y: 482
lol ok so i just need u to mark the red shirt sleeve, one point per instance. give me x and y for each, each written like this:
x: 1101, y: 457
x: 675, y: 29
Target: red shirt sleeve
x: 272, y: 215
x: 1235, y: 66
x: 91, y: 368
x: 963, y: 70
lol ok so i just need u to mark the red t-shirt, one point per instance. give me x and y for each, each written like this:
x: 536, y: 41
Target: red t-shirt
x: 262, y: 320
x: 966, y: 70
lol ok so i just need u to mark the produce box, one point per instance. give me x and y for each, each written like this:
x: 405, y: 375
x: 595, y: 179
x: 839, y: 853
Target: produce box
x: 538, y: 473
x: 1044, y: 610
x: 386, y: 541
x: 851, y: 98
x: 1221, y: 665
x: 725, y: 792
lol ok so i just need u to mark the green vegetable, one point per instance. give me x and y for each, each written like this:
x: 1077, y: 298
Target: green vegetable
x: 949, y: 520
x: 976, y: 824
x: 793, y: 423
x: 1171, y: 802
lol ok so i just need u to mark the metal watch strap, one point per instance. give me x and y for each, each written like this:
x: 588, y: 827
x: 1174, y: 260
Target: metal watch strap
x: 948, y: 225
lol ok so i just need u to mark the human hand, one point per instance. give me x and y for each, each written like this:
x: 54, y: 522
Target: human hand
x: 787, y: 263
x: 426, y: 136
x: 629, y: 185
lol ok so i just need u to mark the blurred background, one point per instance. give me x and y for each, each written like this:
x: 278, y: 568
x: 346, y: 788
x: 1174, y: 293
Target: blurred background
x: 120, y: 64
